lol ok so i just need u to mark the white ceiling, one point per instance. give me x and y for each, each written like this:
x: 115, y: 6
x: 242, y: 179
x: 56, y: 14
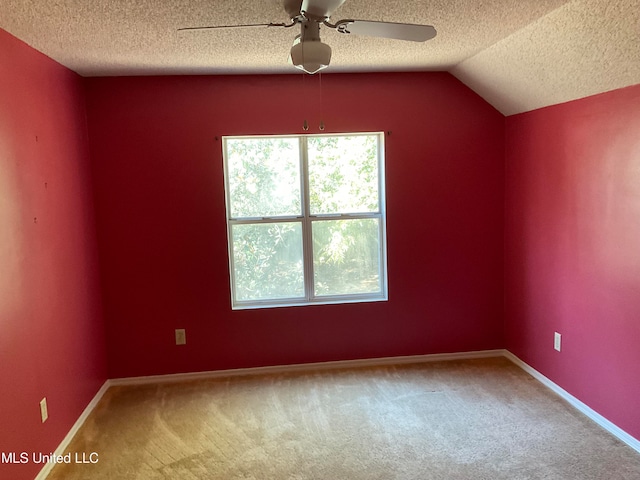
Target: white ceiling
x: 519, y: 55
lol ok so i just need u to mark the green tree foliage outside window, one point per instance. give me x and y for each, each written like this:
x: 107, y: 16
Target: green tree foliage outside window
x: 306, y: 219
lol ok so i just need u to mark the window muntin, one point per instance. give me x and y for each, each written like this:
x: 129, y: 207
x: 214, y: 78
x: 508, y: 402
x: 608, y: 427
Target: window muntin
x: 306, y: 220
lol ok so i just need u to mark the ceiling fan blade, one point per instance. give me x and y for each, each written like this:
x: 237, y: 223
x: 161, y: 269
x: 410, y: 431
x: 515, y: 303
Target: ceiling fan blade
x: 397, y: 31
x: 238, y: 26
x: 320, y: 8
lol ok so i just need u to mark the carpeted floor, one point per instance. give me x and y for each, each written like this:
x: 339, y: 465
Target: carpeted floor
x: 474, y: 419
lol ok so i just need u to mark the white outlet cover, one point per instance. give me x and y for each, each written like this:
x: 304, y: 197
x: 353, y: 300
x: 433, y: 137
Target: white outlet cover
x: 44, y: 413
x: 557, y: 341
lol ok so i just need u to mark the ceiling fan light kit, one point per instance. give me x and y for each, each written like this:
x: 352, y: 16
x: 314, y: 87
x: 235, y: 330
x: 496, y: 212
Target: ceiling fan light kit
x: 309, y: 53
x: 311, y: 57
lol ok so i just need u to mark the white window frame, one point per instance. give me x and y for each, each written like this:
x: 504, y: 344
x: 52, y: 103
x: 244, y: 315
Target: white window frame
x: 306, y: 219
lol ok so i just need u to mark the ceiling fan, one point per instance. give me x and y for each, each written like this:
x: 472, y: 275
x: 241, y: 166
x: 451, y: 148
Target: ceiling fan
x: 308, y: 53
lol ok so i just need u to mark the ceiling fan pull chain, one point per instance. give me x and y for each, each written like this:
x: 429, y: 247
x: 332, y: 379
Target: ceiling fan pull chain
x: 321, y: 103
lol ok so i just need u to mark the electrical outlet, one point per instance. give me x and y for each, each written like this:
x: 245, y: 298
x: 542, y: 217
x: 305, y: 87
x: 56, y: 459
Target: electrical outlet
x: 44, y: 413
x: 181, y: 336
x: 557, y: 340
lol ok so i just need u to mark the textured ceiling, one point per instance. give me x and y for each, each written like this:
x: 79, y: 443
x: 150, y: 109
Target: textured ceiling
x: 580, y: 49
x: 519, y: 55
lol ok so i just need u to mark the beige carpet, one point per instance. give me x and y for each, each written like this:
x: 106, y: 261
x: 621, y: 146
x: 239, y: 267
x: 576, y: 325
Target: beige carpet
x: 476, y: 419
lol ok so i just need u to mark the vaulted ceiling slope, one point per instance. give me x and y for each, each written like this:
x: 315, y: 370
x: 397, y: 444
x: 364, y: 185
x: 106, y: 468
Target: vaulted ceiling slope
x: 582, y: 48
x: 519, y: 55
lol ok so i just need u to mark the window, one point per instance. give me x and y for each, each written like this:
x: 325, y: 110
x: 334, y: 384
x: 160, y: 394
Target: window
x: 305, y: 219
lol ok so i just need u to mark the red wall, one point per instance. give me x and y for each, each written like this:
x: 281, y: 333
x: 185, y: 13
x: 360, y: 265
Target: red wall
x: 573, y: 248
x: 161, y: 218
x: 572, y: 234
x: 51, y: 328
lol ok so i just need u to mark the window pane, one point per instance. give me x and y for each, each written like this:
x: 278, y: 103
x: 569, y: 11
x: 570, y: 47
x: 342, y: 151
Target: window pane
x: 343, y: 174
x: 346, y: 256
x: 267, y: 261
x: 264, y: 177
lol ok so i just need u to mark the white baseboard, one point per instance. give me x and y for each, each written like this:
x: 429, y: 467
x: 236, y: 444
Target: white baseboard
x: 367, y: 362
x: 574, y: 402
x: 46, y: 469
